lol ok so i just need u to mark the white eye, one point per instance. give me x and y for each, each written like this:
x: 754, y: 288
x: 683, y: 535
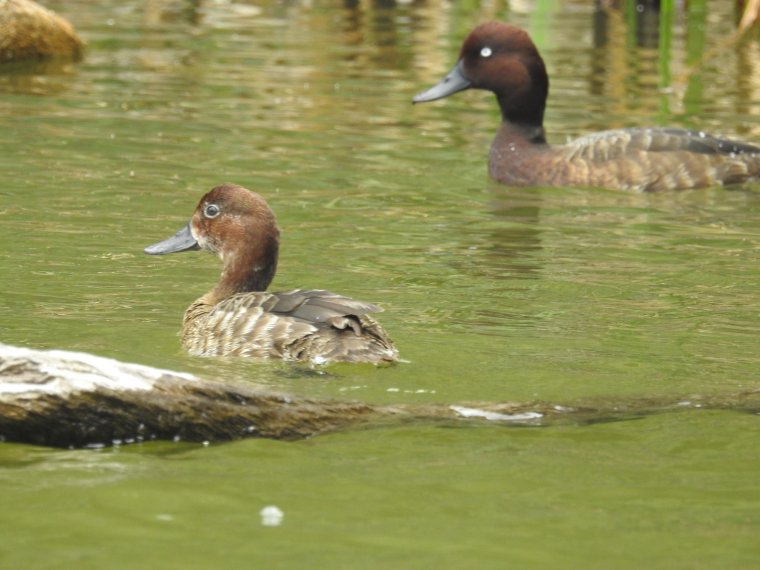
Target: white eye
x: 486, y: 52
x: 211, y: 211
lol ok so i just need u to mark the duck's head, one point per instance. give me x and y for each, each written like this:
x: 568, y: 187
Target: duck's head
x: 238, y: 226
x: 500, y: 58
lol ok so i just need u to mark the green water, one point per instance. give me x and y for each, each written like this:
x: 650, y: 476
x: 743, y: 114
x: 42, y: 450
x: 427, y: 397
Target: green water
x: 491, y: 293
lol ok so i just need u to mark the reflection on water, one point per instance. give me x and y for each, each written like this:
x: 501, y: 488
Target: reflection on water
x: 37, y: 77
x: 516, y: 237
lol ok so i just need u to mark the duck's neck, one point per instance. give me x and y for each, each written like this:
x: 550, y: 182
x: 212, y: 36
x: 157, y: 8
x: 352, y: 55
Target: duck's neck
x: 249, y: 269
x: 522, y: 109
x: 521, y: 132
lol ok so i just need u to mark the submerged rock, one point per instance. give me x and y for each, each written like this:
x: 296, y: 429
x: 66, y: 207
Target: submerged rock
x: 30, y: 32
x: 59, y: 398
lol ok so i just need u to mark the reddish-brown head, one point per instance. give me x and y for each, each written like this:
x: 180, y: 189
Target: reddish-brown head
x: 240, y: 227
x: 503, y: 59
x: 500, y: 58
x: 230, y: 218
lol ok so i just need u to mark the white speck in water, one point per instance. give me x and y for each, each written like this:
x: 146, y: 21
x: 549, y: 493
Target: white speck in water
x: 271, y: 516
x: 702, y: 134
x: 319, y: 360
x: 110, y: 22
x: 165, y: 517
x: 206, y: 444
x: 393, y: 390
x: 496, y: 416
x: 176, y: 438
x: 351, y: 388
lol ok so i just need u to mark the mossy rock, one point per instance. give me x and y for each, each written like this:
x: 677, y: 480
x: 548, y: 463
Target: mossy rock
x: 30, y: 32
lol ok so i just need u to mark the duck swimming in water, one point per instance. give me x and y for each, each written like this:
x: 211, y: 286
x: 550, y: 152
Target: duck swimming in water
x: 503, y: 59
x: 239, y: 318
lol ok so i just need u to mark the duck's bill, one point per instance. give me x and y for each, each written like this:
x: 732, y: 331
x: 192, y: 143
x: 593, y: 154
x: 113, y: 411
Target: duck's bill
x: 183, y: 240
x: 454, y: 82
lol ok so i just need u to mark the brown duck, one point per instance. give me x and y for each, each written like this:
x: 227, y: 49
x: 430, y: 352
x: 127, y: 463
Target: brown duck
x: 239, y: 318
x: 502, y: 58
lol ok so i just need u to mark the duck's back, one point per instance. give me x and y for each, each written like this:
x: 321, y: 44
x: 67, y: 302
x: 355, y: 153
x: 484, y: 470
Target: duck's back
x: 642, y: 159
x: 606, y: 145
x: 653, y: 159
x: 311, y: 325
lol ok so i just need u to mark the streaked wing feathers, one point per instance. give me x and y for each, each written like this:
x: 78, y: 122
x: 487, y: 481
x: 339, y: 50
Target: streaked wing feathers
x: 295, y: 325
x: 608, y: 145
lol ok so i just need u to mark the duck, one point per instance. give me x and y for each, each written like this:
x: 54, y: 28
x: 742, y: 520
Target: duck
x: 238, y: 317
x: 502, y: 58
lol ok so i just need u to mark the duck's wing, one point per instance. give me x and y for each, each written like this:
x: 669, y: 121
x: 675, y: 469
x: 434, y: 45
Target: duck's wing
x: 608, y: 145
x: 345, y: 331
x: 316, y: 305
x: 306, y: 309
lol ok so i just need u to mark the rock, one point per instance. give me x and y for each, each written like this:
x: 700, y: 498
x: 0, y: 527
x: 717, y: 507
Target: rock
x: 30, y: 32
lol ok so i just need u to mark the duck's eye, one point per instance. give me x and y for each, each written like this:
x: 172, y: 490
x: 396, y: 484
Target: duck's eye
x: 486, y: 52
x: 211, y: 211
